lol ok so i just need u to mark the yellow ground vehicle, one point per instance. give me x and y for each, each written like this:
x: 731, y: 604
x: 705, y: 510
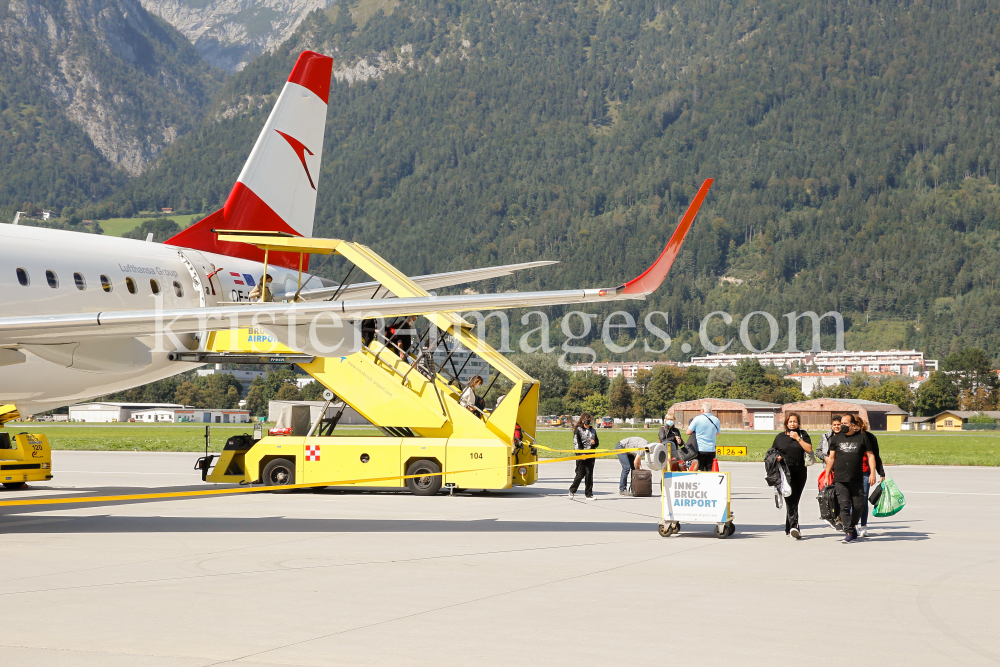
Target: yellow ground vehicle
x: 24, y: 457
x: 425, y: 429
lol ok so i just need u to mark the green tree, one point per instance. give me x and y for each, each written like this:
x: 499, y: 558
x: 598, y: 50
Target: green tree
x: 620, y: 398
x: 256, y: 403
x: 553, y: 381
x: 288, y: 392
x: 970, y: 372
x: 313, y: 391
x: 190, y: 394
x: 936, y: 394
x: 662, y: 389
x: 596, y: 405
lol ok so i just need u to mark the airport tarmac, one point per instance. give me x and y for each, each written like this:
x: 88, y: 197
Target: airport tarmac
x: 525, y: 576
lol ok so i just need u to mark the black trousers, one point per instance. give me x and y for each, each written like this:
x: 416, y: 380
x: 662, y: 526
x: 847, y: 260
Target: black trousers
x: 584, y: 469
x: 798, y: 475
x: 851, y: 496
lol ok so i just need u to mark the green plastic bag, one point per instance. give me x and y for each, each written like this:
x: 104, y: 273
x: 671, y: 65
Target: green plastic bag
x: 892, y: 499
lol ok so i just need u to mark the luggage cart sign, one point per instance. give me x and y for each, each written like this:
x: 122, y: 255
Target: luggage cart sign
x: 696, y: 496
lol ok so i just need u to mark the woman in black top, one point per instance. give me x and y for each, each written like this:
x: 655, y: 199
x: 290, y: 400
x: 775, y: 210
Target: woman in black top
x: 670, y: 436
x: 792, y: 446
x: 584, y: 439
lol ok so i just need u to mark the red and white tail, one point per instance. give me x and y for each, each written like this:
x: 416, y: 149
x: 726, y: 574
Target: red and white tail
x: 276, y: 191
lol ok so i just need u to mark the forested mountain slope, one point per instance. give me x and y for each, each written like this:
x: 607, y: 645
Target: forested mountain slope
x: 90, y: 91
x: 854, y: 147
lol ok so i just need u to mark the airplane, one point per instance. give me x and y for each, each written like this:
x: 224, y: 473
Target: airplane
x: 81, y: 315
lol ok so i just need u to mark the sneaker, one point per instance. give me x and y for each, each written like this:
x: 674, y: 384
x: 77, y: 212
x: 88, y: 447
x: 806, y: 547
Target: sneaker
x: 831, y: 524
x: 795, y: 533
x: 571, y: 495
x: 849, y: 537
x: 862, y: 531
x: 591, y: 498
x: 623, y: 492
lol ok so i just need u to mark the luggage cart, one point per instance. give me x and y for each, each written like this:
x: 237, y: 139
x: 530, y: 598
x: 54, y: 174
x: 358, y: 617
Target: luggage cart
x: 696, y: 497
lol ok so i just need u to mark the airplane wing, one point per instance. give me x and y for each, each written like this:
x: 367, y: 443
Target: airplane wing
x: 428, y: 282
x: 55, y: 329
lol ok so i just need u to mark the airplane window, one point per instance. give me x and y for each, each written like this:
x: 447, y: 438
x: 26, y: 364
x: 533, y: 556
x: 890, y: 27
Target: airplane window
x: 22, y: 277
x: 106, y: 283
x: 155, y: 286
x: 81, y: 284
x: 178, y: 290
x: 130, y: 284
x: 52, y: 279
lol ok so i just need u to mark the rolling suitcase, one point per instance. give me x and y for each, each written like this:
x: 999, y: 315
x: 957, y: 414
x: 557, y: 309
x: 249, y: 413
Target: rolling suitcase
x: 829, y: 508
x: 642, y: 483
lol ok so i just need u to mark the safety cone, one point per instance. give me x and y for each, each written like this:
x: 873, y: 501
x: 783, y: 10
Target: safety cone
x: 715, y: 465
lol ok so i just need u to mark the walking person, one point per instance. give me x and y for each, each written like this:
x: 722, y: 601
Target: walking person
x: 824, y: 442
x: 704, y: 427
x: 584, y: 439
x: 792, y: 445
x: 629, y: 460
x: 847, y: 451
x: 873, y: 446
x: 670, y: 437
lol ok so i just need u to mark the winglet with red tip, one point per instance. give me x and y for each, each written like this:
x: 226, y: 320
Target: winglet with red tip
x: 654, y: 275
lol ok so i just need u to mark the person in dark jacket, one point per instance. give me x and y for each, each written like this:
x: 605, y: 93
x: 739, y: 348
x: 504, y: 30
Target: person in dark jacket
x: 873, y: 447
x: 584, y: 439
x: 670, y: 437
x: 792, y: 445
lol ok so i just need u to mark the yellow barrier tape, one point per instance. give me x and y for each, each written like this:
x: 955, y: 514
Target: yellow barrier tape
x: 284, y: 487
x: 616, y: 451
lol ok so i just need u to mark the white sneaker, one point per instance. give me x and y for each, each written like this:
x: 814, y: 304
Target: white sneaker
x: 794, y: 532
x: 862, y: 531
x: 623, y: 492
x: 591, y: 498
x: 571, y: 495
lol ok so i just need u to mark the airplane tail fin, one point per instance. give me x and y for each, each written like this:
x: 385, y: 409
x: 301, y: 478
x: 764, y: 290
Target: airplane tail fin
x: 276, y: 191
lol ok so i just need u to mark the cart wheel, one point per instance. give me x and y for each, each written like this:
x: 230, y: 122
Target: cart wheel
x: 14, y: 485
x: 721, y: 534
x: 675, y: 526
x: 730, y: 527
x: 665, y: 530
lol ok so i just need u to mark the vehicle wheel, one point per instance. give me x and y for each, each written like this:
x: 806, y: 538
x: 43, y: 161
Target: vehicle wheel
x: 424, y: 486
x: 14, y: 485
x: 724, y: 533
x: 664, y: 530
x: 730, y: 527
x: 279, y: 472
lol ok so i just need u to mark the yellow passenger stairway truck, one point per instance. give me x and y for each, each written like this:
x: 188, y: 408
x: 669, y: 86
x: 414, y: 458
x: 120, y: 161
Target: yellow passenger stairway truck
x: 24, y: 457
x: 414, y: 402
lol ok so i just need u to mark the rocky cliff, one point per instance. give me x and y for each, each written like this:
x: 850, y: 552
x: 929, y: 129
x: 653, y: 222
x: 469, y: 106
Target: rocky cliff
x: 231, y: 33
x: 129, y: 80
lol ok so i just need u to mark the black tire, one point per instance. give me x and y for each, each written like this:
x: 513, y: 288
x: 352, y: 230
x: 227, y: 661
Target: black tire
x: 424, y: 486
x: 278, y: 472
x: 730, y: 527
x: 725, y: 532
x: 14, y: 485
x: 665, y: 530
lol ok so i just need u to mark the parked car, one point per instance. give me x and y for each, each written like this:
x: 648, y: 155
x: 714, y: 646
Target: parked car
x: 607, y: 422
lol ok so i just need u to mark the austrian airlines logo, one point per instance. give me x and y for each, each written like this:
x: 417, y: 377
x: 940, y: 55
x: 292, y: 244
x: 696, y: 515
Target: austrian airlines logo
x: 300, y: 150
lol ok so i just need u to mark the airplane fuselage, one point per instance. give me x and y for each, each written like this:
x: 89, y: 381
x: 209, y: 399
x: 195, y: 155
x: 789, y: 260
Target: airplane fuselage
x: 47, y: 271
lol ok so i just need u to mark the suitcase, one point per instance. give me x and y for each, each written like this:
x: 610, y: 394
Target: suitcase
x: 829, y: 508
x: 642, y: 483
